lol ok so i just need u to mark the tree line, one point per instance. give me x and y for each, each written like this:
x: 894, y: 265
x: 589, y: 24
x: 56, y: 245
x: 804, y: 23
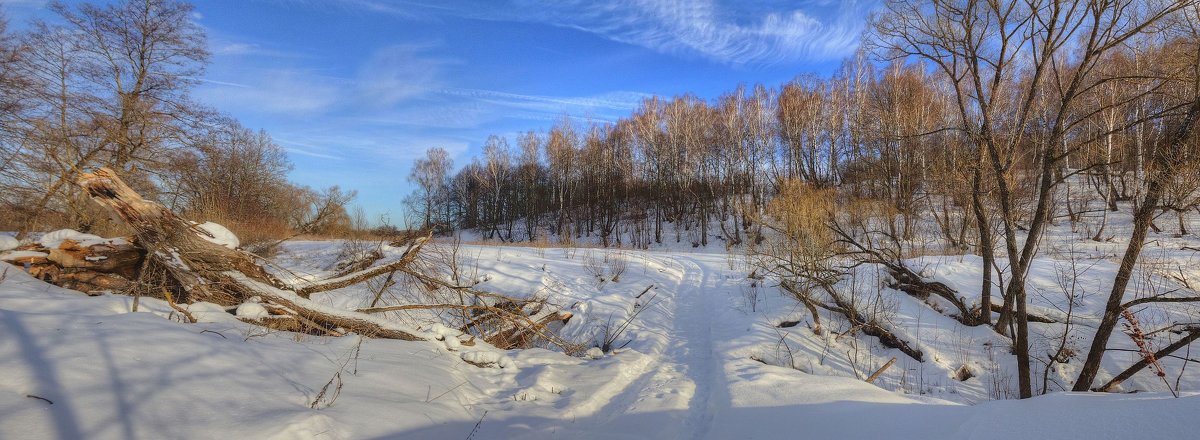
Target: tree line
x: 977, y: 123
x: 108, y: 85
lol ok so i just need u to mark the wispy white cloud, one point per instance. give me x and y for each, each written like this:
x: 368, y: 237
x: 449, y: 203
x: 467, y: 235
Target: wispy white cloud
x: 278, y: 91
x: 402, y: 85
x: 306, y: 149
x: 398, y: 8
x: 374, y: 144
x: 304, y: 152
x: 400, y: 72
x: 622, y: 101
x: 461, y: 115
x: 220, y: 83
x: 728, y: 31
x: 719, y: 31
x: 467, y: 109
x: 237, y: 49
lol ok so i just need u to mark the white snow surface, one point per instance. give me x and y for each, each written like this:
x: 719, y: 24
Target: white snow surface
x: 251, y: 310
x: 220, y: 235
x: 8, y: 242
x: 13, y: 255
x: 703, y: 360
x: 51, y: 240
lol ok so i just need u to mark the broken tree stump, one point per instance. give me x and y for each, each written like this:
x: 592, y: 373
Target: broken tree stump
x: 113, y: 258
x: 89, y: 268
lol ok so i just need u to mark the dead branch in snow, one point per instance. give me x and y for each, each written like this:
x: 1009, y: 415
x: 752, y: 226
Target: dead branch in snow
x: 1193, y: 333
x: 410, y: 254
x: 506, y: 322
x: 904, y: 279
x: 881, y: 370
x: 201, y: 270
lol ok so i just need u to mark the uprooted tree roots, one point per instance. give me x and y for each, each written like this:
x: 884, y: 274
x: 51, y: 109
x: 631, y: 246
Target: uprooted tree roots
x: 194, y: 269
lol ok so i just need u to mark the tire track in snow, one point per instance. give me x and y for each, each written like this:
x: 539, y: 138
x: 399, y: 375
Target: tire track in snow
x: 689, y: 367
x: 684, y: 387
x: 704, y: 367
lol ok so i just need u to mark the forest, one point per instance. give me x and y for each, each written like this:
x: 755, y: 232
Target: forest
x: 987, y: 200
x: 960, y: 127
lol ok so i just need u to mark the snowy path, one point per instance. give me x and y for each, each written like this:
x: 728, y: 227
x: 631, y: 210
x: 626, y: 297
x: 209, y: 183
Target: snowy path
x: 687, y: 389
x: 673, y: 385
x: 706, y: 367
x: 694, y: 349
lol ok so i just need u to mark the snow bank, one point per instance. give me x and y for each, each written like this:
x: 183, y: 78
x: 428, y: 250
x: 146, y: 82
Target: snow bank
x: 8, y: 243
x: 488, y: 358
x: 220, y: 235
x: 112, y: 374
x: 685, y: 373
x: 448, y: 335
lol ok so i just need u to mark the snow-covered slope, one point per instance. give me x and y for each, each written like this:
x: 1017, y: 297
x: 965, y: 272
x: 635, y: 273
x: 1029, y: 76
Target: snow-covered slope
x: 694, y: 365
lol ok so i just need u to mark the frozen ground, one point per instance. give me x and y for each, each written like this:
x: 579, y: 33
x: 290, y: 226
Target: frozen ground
x: 705, y: 359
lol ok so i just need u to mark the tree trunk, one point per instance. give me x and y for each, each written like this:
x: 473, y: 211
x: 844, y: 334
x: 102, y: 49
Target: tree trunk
x: 1142, y: 220
x: 986, y: 249
x: 206, y: 271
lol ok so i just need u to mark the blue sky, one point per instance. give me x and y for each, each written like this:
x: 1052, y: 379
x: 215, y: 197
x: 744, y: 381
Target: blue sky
x: 356, y: 89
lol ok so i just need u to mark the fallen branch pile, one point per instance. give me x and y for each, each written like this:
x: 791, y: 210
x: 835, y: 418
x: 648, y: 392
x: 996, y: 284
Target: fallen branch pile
x: 194, y: 269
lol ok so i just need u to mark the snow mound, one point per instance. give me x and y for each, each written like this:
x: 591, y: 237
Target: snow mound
x: 220, y: 235
x: 252, y: 310
x: 594, y: 353
x: 52, y: 240
x: 8, y: 243
x: 492, y: 359
x: 447, y: 335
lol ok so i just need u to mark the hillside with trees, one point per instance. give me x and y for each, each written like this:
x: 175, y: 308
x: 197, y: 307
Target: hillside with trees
x: 966, y: 127
x: 982, y: 224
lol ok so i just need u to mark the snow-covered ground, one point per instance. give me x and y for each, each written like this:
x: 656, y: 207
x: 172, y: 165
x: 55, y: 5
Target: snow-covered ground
x: 704, y: 358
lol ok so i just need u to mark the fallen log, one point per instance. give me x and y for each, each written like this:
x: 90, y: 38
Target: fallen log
x: 206, y: 271
x: 116, y: 258
x: 360, y: 323
x: 870, y: 327
x: 410, y: 254
x: 37, y: 263
x: 108, y: 266
x: 907, y: 281
x: 90, y: 282
x: 200, y: 270
x: 1033, y: 317
x: 912, y: 283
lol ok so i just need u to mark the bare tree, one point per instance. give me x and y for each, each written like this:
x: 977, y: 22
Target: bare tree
x: 1180, y: 65
x: 1015, y: 102
x: 431, y: 175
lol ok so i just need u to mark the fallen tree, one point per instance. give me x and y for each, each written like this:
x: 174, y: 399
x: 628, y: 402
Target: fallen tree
x: 196, y: 269
x: 903, y: 278
x: 86, y: 267
x: 804, y: 260
x: 201, y: 270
